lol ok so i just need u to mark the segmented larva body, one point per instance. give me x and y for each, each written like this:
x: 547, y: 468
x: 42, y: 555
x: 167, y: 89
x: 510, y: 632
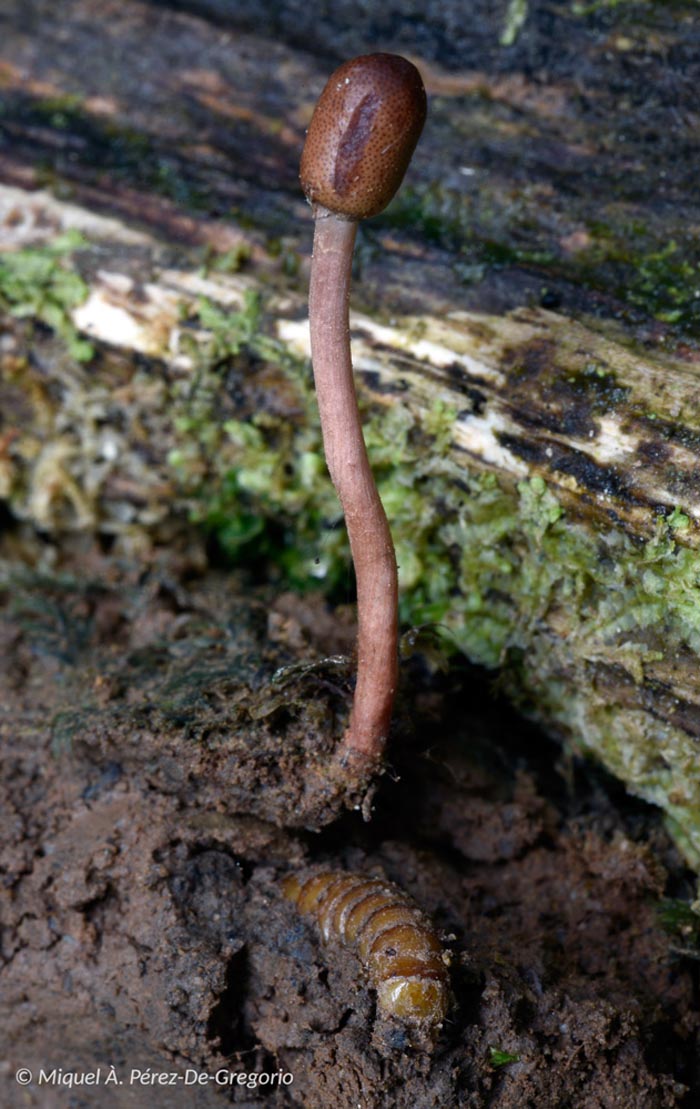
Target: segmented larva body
x: 405, y: 961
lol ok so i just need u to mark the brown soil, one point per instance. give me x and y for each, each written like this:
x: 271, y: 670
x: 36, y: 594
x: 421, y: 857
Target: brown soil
x: 163, y: 744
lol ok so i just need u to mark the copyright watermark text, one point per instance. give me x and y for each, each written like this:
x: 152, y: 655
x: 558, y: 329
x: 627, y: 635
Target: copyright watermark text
x: 110, y: 1076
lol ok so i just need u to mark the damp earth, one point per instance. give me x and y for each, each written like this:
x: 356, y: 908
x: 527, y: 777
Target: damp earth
x: 162, y: 732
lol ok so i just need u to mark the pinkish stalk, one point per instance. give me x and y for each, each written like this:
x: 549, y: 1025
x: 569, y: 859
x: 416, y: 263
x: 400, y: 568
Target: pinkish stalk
x: 368, y: 530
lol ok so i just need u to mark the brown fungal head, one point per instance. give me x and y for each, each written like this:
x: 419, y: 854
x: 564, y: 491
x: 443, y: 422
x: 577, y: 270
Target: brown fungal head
x: 362, y: 134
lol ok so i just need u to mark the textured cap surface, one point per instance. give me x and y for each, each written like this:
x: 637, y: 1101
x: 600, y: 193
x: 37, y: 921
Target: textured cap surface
x: 362, y: 134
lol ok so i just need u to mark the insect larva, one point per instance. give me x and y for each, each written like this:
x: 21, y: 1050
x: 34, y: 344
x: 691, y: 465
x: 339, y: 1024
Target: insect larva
x: 405, y: 961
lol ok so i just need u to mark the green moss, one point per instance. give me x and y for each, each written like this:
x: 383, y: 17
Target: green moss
x: 501, y: 570
x: 38, y: 283
x: 485, y: 231
x: 488, y: 227
x: 257, y: 483
x: 660, y: 278
x: 487, y: 562
x: 227, y: 261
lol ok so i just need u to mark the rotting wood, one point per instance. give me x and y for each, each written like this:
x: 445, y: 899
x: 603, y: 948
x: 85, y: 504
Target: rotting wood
x: 615, y: 432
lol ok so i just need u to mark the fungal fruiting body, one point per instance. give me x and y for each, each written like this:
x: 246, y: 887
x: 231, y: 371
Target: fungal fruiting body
x: 360, y: 140
x: 405, y: 961
x: 362, y: 135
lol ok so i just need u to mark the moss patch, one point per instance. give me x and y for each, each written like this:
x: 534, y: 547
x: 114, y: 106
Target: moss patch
x: 493, y: 227
x: 39, y: 283
x: 500, y: 571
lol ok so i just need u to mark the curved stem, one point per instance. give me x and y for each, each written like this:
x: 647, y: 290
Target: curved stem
x: 368, y: 530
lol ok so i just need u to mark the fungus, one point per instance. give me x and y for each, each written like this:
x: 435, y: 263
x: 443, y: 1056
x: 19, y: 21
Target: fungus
x: 360, y: 140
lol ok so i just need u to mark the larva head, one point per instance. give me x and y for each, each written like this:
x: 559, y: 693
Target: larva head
x: 415, y: 1000
x: 362, y: 134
